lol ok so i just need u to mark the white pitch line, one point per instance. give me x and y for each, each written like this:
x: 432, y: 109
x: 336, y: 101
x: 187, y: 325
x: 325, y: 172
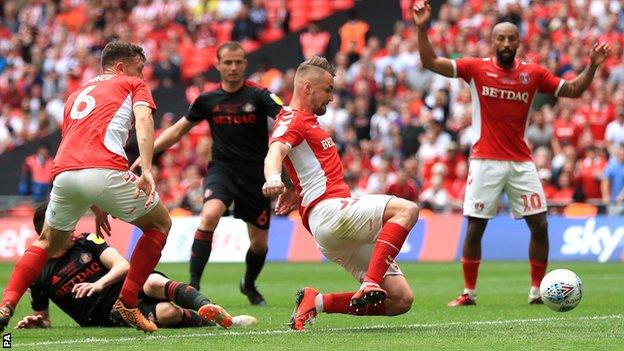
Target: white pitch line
x: 331, y: 330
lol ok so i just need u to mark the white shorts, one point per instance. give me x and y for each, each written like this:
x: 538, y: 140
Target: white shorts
x: 73, y: 192
x: 346, y: 229
x: 487, y: 179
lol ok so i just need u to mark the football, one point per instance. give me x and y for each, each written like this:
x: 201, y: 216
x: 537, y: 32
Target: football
x: 561, y: 290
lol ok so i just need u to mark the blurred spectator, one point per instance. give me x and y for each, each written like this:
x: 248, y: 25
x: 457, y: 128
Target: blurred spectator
x: 314, y: 42
x: 590, y: 172
x: 36, y: 174
x: 435, y: 197
x: 353, y: 35
x: 539, y: 133
x: 613, y: 183
x: 403, y: 187
x: 614, y: 134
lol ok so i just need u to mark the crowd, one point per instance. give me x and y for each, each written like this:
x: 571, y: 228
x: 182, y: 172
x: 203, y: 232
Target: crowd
x: 400, y: 129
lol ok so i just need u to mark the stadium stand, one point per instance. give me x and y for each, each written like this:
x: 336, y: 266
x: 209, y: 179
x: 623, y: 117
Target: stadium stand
x: 400, y: 128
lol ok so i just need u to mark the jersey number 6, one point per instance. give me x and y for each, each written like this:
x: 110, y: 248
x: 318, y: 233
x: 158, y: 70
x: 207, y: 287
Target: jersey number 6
x: 84, y: 100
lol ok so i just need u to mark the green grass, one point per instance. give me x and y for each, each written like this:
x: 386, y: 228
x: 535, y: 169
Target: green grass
x: 502, y: 321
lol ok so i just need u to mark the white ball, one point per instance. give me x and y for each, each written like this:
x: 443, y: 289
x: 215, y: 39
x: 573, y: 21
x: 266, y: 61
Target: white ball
x: 244, y: 320
x: 561, y: 290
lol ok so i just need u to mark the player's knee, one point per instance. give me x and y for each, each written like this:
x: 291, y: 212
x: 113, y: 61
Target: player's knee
x: 209, y: 218
x: 401, y: 304
x: 539, y: 227
x: 168, y: 314
x: 155, y: 283
x: 412, y: 211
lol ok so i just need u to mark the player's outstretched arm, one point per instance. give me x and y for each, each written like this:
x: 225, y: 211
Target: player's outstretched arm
x: 428, y: 57
x: 116, y: 264
x: 169, y: 137
x: 577, y: 86
x: 38, y: 319
x: 273, y: 184
x: 173, y: 134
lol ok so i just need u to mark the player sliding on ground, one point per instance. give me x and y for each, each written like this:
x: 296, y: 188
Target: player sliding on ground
x: 363, y: 235
x: 503, y: 89
x: 85, y: 277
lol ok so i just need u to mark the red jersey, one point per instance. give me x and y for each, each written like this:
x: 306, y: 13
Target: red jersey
x: 98, y: 118
x: 313, y: 163
x: 501, y: 101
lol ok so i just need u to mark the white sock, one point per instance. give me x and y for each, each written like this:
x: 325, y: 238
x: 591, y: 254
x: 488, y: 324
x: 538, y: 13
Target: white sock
x: 318, y: 303
x: 535, y: 291
x: 471, y: 292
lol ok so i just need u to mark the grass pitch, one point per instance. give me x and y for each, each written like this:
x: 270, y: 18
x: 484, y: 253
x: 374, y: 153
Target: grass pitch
x: 502, y: 320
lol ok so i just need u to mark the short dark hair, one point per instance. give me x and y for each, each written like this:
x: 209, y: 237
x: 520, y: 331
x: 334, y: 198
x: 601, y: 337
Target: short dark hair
x: 118, y: 50
x: 39, y: 217
x: 229, y: 45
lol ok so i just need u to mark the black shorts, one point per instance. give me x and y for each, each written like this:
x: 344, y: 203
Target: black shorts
x: 240, y: 182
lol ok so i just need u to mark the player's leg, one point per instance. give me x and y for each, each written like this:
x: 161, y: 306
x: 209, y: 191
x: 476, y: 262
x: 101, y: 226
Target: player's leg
x: 309, y: 302
x: 538, y: 253
x: 185, y: 296
x: 217, y: 198
x: 399, y: 216
x: 486, y: 181
x: 67, y: 203
x: 527, y: 199
x: 254, y: 208
x: 254, y: 262
x: 201, y: 249
x: 168, y: 315
x: 154, y: 221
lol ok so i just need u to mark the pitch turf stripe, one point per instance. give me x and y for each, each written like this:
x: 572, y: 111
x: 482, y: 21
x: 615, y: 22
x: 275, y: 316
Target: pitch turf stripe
x: 331, y: 330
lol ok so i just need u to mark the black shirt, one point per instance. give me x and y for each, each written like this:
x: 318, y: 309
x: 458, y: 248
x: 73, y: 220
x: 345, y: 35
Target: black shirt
x: 238, y: 121
x: 79, y: 264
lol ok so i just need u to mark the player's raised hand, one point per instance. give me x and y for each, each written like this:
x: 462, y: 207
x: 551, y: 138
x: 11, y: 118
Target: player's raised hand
x: 599, y: 53
x: 286, y: 202
x: 421, y: 12
x: 33, y: 321
x: 147, y: 185
x: 101, y: 223
x: 273, y: 185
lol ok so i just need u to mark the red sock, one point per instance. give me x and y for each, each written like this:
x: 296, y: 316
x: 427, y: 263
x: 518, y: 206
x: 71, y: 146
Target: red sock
x: 339, y: 303
x: 26, y: 270
x: 389, y: 242
x: 144, y: 258
x: 538, y: 270
x: 471, y: 271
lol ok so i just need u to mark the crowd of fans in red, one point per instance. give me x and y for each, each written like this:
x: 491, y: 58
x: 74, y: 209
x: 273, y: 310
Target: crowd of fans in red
x: 400, y: 129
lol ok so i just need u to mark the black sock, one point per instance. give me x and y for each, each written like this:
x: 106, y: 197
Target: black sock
x: 184, y: 295
x: 254, y: 263
x: 200, y: 253
x: 191, y: 319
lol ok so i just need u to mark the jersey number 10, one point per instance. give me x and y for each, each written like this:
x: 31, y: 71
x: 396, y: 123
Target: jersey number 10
x: 84, y: 100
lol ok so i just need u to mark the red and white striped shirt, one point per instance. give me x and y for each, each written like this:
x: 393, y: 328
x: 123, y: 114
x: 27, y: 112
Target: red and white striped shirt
x: 98, y: 118
x: 313, y: 163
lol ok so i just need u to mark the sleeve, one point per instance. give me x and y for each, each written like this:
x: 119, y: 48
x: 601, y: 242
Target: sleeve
x: 94, y: 244
x: 39, y: 301
x: 464, y: 67
x: 142, y: 96
x: 271, y: 103
x: 199, y: 109
x: 549, y: 84
x: 606, y: 174
x: 288, y: 130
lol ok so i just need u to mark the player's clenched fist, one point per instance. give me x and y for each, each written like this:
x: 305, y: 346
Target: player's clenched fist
x: 422, y: 12
x: 273, y: 185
